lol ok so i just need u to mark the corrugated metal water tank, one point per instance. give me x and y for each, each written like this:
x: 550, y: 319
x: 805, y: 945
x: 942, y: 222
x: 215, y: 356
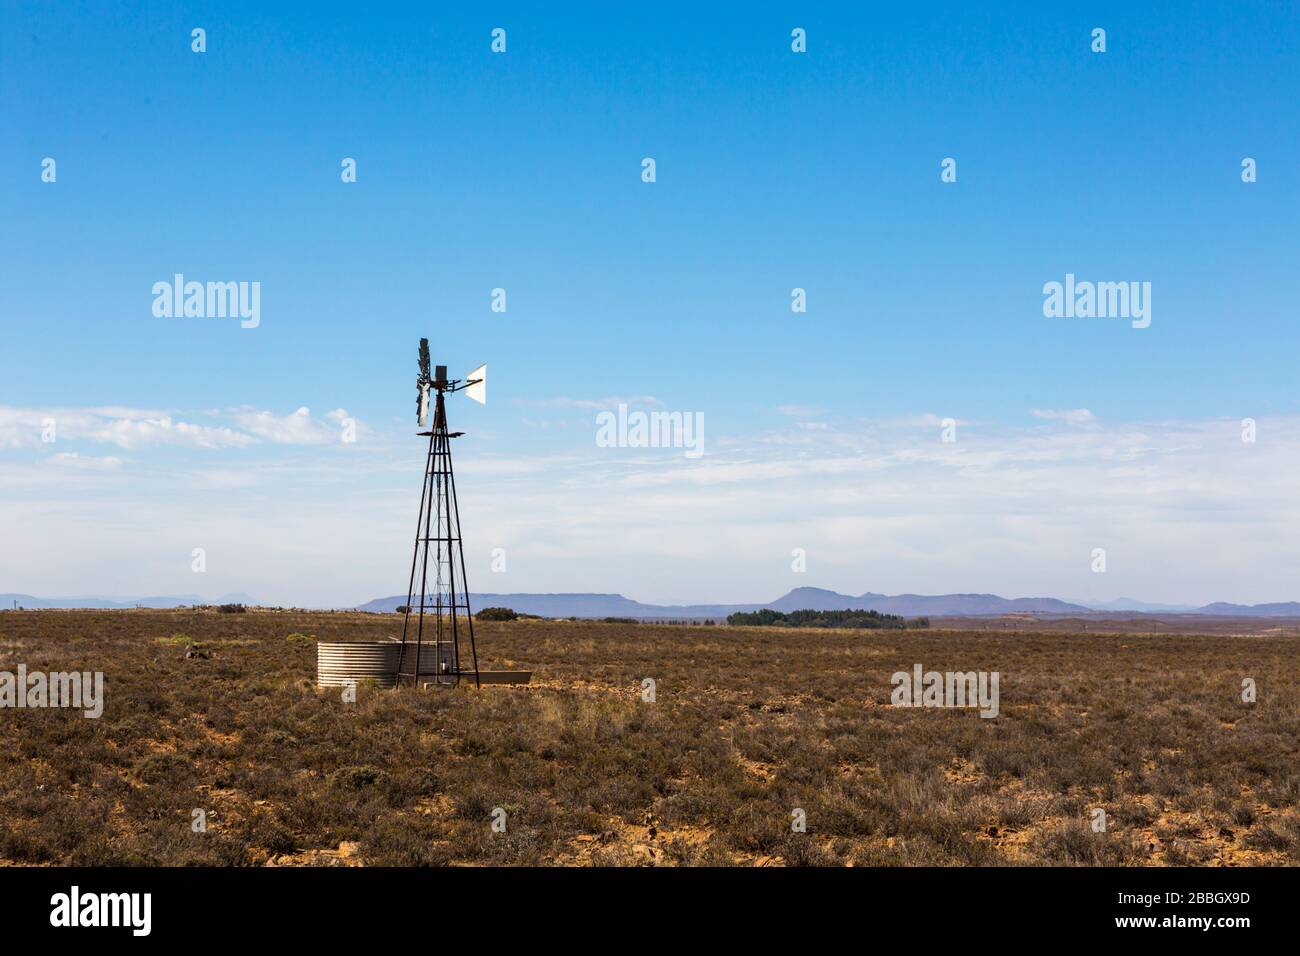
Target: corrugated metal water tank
x: 341, y: 663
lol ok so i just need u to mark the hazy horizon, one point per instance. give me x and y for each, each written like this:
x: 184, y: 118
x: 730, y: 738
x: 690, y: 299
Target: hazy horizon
x: 1123, y: 603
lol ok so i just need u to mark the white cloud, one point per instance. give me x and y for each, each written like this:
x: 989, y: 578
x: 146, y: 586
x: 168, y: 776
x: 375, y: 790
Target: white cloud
x: 90, y: 462
x: 928, y: 419
x: 145, y: 432
x: 1186, y: 511
x: 610, y: 402
x: 124, y: 411
x: 1071, y: 416
x: 134, y: 429
x: 799, y: 411
x: 296, y: 428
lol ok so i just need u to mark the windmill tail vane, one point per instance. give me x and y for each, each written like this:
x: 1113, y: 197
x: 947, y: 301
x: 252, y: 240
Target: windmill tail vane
x: 438, y: 619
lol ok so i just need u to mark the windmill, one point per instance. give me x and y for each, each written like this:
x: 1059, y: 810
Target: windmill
x: 431, y: 626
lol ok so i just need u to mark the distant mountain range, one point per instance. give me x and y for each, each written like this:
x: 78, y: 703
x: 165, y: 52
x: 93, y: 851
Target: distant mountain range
x: 1277, y: 609
x: 820, y: 599
x: 800, y: 599
x: 1131, y: 604
x: 172, y: 600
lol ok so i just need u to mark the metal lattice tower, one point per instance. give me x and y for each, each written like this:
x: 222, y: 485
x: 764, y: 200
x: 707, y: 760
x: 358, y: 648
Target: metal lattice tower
x: 437, y: 595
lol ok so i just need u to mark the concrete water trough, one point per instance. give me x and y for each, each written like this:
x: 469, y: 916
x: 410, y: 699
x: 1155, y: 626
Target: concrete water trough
x: 487, y: 677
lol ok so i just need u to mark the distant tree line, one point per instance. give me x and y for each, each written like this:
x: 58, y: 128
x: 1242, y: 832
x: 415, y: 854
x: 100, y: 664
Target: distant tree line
x: 504, y: 614
x: 871, y: 620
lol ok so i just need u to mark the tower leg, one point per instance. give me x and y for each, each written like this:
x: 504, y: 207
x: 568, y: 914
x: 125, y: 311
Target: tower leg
x: 416, y: 633
x: 438, y: 524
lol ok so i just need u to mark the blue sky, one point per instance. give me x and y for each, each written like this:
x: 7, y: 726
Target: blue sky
x: 775, y: 170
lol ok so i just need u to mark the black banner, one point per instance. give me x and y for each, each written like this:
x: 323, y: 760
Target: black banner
x: 332, y: 905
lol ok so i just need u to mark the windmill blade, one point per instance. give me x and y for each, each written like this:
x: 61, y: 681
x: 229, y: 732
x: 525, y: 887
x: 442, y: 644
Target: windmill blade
x: 476, y: 385
x: 422, y: 382
x: 424, y: 360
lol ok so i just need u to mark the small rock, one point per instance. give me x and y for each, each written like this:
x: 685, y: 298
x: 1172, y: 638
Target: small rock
x: 645, y: 854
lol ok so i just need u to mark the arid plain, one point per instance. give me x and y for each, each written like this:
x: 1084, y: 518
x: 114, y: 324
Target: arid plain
x: 746, y: 727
